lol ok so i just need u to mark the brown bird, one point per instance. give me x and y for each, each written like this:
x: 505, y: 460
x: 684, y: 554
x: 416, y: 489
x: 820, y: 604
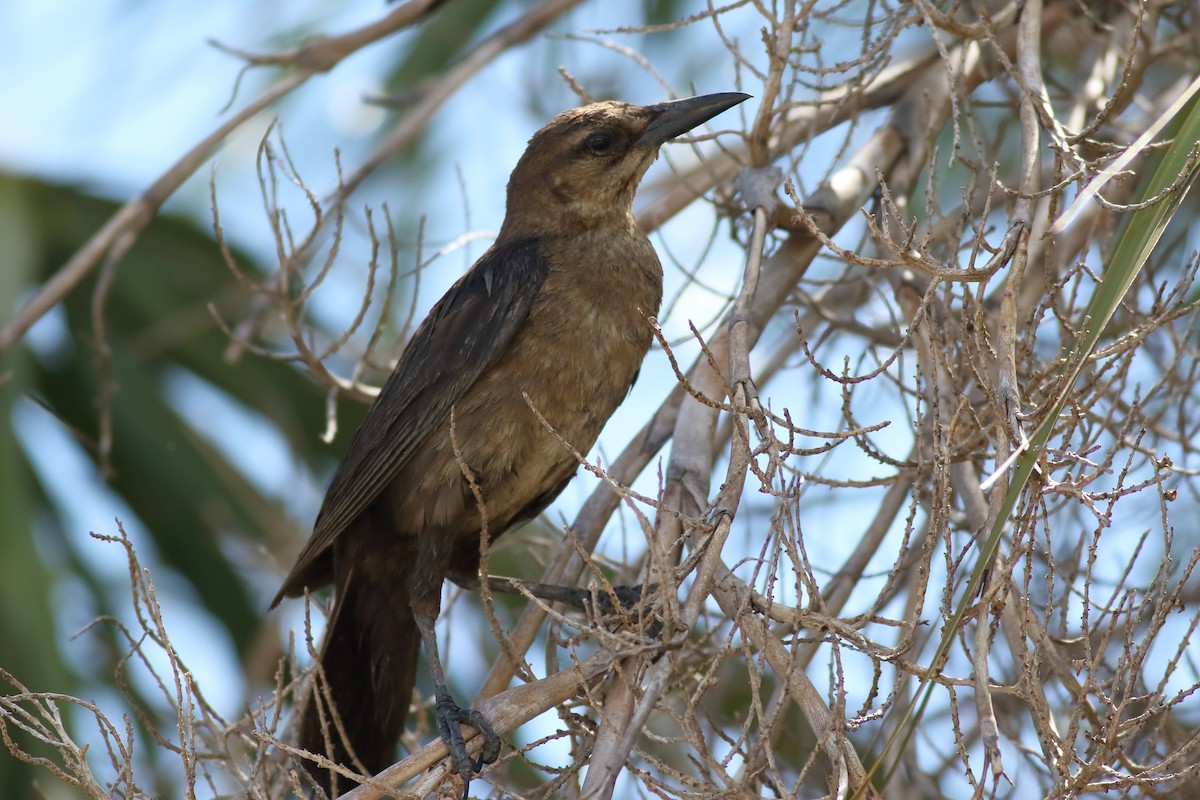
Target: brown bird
x: 556, y: 312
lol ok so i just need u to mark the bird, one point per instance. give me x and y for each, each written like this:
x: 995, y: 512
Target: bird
x: 552, y: 321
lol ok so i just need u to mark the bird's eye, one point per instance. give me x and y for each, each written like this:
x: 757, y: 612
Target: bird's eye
x: 598, y: 142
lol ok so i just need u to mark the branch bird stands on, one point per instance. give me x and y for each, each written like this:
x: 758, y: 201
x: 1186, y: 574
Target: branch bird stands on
x: 553, y: 315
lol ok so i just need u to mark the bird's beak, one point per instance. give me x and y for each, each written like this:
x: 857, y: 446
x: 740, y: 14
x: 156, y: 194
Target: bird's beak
x: 679, y: 116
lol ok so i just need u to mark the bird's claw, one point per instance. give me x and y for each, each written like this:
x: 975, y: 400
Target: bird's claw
x: 450, y: 715
x: 601, y: 602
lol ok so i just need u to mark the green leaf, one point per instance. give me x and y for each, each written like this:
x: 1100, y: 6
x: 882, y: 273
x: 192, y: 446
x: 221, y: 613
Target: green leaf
x: 1142, y: 232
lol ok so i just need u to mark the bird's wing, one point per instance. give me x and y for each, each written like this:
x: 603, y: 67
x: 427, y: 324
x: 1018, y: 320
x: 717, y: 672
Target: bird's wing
x: 464, y: 333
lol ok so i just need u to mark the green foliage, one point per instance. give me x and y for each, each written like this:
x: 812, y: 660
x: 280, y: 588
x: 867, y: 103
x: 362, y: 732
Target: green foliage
x: 190, y: 498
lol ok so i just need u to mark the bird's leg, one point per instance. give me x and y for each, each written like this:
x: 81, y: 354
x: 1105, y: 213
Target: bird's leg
x: 450, y: 714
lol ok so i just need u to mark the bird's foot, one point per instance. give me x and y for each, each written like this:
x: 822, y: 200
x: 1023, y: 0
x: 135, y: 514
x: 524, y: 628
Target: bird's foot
x: 450, y: 715
x: 605, y: 602
x: 601, y: 602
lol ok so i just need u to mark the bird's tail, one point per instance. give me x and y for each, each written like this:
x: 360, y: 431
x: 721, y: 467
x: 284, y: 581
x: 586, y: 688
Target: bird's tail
x: 369, y: 666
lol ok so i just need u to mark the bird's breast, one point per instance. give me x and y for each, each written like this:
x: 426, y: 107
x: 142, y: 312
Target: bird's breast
x: 571, y: 363
x: 589, y: 328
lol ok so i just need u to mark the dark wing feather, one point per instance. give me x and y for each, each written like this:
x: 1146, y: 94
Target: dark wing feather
x: 464, y: 333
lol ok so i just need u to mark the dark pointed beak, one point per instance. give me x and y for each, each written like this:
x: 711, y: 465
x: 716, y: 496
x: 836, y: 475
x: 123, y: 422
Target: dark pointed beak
x: 679, y: 116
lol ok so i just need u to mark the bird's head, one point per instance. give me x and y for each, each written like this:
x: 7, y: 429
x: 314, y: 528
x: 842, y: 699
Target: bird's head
x: 582, y: 169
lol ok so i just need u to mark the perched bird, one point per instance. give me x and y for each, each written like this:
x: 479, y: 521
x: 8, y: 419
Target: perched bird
x: 553, y: 316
